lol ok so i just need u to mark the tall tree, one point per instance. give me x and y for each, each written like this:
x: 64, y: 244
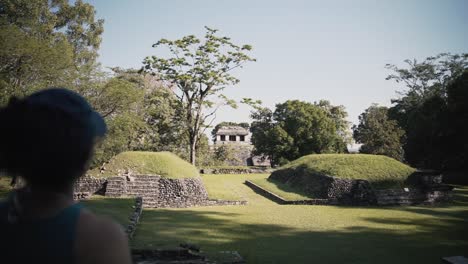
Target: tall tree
x: 46, y: 43
x: 378, y: 134
x: 455, y: 124
x: 422, y: 107
x: 200, y: 69
x: 338, y: 114
x: 294, y: 129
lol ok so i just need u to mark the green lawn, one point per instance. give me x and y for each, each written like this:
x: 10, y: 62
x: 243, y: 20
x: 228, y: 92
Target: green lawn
x: 283, y: 190
x: 265, y: 232
x: 118, y: 209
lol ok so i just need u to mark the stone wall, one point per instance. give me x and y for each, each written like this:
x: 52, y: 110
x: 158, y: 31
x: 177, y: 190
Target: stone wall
x: 184, y: 255
x: 343, y: 191
x: 280, y: 200
x: 87, y: 186
x: 155, y: 191
x: 234, y: 170
x: 134, y: 217
x: 424, y: 188
x: 414, y: 196
x: 158, y: 191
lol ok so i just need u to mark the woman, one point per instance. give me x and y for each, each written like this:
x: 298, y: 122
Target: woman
x: 47, y: 140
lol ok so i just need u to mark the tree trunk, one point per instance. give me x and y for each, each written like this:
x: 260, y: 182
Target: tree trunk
x: 193, y: 151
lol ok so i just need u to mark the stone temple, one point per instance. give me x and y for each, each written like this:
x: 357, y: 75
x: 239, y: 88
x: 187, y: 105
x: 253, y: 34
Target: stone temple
x: 238, y: 138
x: 232, y: 135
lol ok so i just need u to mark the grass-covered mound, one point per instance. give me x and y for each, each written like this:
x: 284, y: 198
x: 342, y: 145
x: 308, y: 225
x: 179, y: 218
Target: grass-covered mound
x: 165, y: 164
x: 380, y: 171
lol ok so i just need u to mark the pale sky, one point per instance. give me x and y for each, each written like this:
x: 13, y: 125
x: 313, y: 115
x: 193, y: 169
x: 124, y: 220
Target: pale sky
x: 307, y: 50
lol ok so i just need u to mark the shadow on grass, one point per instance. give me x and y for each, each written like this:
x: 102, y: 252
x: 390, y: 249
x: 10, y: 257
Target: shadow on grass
x: 118, y: 209
x: 414, y: 240
x: 287, y: 188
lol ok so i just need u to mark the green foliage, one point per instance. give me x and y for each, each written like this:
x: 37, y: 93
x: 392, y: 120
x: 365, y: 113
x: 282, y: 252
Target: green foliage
x: 200, y: 69
x: 378, y: 134
x: 456, y: 128
x: 45, y: 43
x: 142, y: 114
x: 165, y: 164
x: 423, y: 113
x: 380, y: 171
x: 203, y: 151
x: 29, y: 63
x: 294, y: 129
x: 122, y: 135
x: 226, y: 155
x: 338, y: 114
x: 163, y: 116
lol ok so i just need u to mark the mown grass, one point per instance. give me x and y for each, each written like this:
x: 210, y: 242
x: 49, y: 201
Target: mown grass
x: 118, y: 209
x: 265, y: 232
x: 165, y: 164
x: 283, y: 190
x: 380, y: 171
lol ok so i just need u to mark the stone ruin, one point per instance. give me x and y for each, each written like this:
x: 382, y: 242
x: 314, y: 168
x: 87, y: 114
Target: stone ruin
x: 156, y: 191
x: 238, y: 139
x: 424, y: 188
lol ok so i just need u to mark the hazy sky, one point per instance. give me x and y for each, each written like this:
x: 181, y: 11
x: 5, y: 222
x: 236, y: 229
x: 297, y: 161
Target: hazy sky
x: 307, y: 50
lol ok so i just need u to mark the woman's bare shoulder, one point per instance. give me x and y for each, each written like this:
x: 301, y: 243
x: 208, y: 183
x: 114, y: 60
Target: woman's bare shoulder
x: 100, y: 240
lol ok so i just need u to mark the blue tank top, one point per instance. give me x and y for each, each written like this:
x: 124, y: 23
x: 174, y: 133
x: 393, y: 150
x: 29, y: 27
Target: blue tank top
x: 45, y: 240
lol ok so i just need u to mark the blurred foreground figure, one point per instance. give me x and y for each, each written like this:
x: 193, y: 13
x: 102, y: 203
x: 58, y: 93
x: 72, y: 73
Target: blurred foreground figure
x: 47, y: 141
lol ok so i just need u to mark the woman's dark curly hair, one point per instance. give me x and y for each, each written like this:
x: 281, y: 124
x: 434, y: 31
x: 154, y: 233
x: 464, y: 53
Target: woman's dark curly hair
x: 48, y: 148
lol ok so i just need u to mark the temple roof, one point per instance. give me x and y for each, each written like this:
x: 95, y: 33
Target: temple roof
x: 232, y: 130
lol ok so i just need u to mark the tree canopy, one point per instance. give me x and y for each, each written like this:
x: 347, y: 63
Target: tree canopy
x: 199, y: 69
x: 296, y: 128
x: 378, y: 134
x: 45, y: 43
x: 423, y: 110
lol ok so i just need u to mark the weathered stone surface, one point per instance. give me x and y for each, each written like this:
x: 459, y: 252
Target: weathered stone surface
x: 184, y: 256
x: 134, y: 217
x: 87, y: 186
x: 160, y: 192
x: 426, y: 188
x: 252, y: 170
x: 281, y: 200
x: 344, y: 191
x: 175, y: 254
